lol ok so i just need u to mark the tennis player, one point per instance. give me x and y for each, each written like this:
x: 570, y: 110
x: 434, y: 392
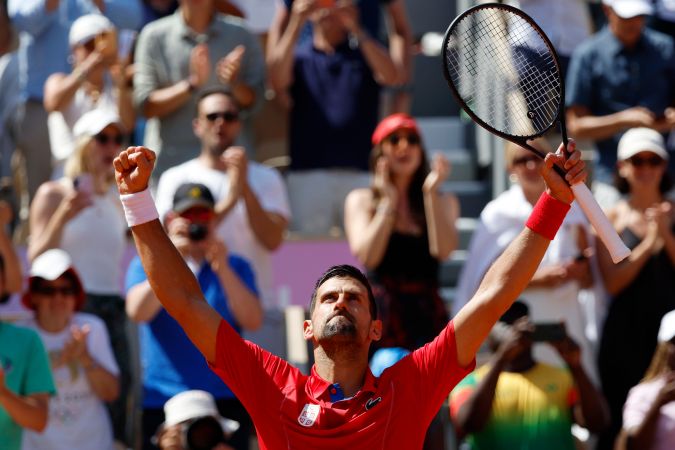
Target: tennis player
x: 340, y: 404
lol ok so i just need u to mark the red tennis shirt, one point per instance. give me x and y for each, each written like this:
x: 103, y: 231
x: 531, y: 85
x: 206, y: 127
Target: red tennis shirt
x: 291, y: 410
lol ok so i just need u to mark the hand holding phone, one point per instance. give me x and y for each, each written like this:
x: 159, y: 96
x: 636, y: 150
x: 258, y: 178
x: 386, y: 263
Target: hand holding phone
x: 549, y: 332
x: 84, y: 183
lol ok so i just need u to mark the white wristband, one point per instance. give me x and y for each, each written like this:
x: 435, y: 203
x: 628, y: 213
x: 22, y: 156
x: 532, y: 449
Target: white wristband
x: 139, y: 207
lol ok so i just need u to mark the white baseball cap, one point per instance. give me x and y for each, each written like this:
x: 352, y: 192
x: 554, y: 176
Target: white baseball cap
x: 88, y: 27
x: 195, y: 404
x: 93, y: 122
x: 638, y: 140
x: 49, y: 266
x: 627, y: 9
x: 667, y: 328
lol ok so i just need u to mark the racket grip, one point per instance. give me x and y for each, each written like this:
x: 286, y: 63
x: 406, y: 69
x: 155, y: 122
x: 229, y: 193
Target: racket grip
x: 606, y: 232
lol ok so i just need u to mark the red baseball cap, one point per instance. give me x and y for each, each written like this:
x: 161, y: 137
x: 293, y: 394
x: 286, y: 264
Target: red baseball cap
x: 389, y: 124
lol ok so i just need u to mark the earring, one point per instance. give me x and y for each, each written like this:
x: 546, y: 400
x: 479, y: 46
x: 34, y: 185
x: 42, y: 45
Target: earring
x: 513, y: 178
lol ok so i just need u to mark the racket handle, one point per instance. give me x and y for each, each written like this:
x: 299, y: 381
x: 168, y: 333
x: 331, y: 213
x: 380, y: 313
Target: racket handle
x: 617, y: 249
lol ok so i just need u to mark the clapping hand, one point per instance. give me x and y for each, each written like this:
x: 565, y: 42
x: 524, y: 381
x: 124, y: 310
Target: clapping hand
x: 229, y: 66
x: 382, y: 182
x: 75, y: 350
x: 200, y: 65
x: 667, y: 392
x: 440, y: 171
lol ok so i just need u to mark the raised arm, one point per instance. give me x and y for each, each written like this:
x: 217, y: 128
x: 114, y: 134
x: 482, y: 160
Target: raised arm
x: 441, y: 210
x: 376, y: 55
x: 168, y: 275
x: 369, y: 222
x: 476, y: 410
x: 591, y: 410
x: 400, y: 40
x: 512, y: 271
x: 280, y: 55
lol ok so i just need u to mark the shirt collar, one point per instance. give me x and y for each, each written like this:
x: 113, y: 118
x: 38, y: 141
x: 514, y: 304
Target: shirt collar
x: 614, y: 45
x: 188, y: 32
x: 318, y: 388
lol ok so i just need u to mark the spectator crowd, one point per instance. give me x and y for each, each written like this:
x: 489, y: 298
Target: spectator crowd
x: 89, y: 358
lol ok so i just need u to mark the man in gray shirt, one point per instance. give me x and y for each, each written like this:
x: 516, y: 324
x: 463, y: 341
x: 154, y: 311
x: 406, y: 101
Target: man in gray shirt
x: 179, y: 55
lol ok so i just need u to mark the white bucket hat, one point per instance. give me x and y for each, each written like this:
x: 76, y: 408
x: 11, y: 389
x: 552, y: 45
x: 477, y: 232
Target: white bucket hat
x: 194, y: 404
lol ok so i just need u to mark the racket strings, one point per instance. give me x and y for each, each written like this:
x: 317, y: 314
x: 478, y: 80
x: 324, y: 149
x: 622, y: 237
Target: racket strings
x: 504, y: 72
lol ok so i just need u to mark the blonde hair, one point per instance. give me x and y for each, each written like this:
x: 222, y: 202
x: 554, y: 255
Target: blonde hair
x: 78, y: 162
x: 659, y: 364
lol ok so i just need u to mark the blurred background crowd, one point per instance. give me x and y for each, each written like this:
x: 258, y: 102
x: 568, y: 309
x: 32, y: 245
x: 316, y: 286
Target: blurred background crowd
x: 296, y: 134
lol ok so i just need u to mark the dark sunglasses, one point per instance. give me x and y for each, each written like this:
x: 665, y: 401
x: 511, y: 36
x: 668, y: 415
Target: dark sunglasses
x: 53, y: 290
x: 105, y: 139
x: 199, y: 215
x: 653, y: 161
x: 90, y: 45
x: 227, y: 116
x: 411, y: 139
x: 524, y: 160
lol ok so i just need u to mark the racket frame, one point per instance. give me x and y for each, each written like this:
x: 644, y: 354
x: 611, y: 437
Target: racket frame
x: 583, y: 195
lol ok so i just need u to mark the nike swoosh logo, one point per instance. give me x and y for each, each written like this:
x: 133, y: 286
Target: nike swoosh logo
x: 372, y: 402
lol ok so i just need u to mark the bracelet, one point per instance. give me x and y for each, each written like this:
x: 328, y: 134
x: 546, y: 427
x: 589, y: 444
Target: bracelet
x: 139, y: 207
x: 547, y: 216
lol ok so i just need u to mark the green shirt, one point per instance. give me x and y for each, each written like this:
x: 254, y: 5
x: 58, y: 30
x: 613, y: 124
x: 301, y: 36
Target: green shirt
x: 26, y: 366
x: 530, y: 410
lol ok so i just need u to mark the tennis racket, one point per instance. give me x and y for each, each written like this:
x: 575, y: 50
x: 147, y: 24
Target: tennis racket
x: 505, y: 74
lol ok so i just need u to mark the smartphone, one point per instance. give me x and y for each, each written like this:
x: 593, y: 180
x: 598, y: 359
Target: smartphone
x: 548, y: 332
x: 84, y: 183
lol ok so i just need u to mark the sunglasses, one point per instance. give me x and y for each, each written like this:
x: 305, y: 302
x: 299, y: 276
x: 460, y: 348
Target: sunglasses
x: 653, y: 161
x: 105, y: 139
x: 198, y: 215
x: 227, y: 116
x: 90, y: 45
x: 525, y: 160
x: 411, y: 139
x: 53, y: 290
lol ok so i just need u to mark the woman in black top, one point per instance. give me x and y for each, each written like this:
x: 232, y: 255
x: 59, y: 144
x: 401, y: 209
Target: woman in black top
x: 642, y: 286
x: 400, y: 229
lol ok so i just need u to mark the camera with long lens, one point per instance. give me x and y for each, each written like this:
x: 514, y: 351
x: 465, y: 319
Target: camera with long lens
x: 203, y: 433
x: 197, y: 232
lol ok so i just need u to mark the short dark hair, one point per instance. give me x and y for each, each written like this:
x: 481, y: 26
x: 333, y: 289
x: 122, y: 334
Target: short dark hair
x: 213, y: 90
x: 517, y: 310
x: 344, y: 271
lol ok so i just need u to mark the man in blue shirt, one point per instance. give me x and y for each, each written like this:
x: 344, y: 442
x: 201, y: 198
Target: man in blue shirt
x: 170, y: 362
x: 43, y: 26
x: 334, y: 82
x: 620, y: 78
